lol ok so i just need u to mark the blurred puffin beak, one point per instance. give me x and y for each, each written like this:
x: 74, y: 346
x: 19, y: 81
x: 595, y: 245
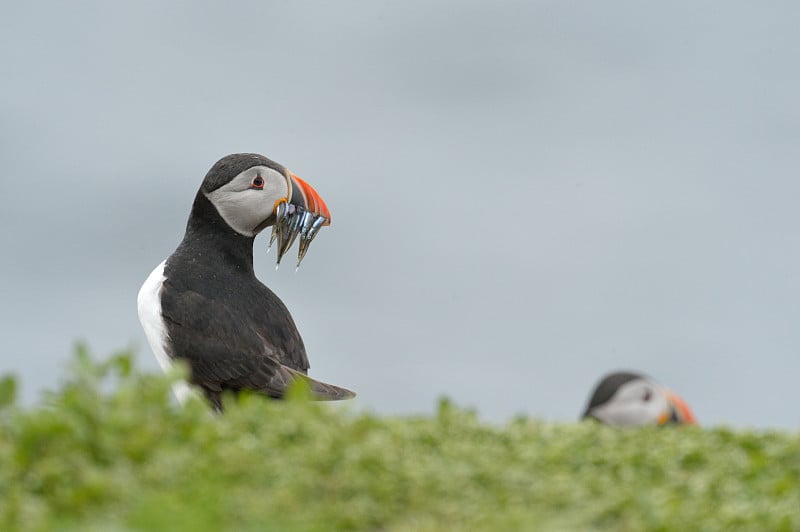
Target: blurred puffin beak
x: 679, y: 411
x: 303, y: 214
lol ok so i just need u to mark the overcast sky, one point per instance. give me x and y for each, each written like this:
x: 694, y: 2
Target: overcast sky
x: 525, y: 195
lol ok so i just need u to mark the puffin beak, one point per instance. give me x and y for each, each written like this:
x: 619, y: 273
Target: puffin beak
x: 303, y: 195
x: 679, y: 411
x: 302, y: 215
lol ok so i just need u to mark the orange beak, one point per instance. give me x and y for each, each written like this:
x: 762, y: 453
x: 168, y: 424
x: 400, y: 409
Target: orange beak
x: 304, y: 195
x: 303, y: 215
x: 682, y: 410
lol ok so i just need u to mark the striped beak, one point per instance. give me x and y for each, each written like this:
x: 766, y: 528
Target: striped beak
x: 679, y: 412
x: 303, y: 215
x: 303, y: 195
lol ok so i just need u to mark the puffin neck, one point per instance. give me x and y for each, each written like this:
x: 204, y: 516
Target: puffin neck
x: 207, y: 232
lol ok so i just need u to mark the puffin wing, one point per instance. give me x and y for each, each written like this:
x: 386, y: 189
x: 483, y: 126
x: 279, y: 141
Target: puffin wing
x: 224, y: 353
x: 274, y: 323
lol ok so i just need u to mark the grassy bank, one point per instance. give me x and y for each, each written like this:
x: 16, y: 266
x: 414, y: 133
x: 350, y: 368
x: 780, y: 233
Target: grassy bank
x: 127, y: 458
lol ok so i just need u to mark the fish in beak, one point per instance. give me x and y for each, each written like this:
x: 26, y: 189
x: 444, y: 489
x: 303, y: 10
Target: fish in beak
x: 302, y: 214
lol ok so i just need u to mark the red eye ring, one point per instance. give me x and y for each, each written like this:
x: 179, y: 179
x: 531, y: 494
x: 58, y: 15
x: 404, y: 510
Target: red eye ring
x: 258, y: 182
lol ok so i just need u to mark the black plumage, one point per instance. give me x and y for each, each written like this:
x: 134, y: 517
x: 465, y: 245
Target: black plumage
x: 607, y: 387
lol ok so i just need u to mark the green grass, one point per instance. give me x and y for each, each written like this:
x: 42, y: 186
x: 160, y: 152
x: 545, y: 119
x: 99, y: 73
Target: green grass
x: 110, y: 451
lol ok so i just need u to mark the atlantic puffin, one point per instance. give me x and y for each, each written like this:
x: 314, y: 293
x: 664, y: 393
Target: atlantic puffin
x: 205, y: 306
x: 625, y: 398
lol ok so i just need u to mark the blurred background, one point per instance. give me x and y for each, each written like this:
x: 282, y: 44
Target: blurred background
x: 525, y: 195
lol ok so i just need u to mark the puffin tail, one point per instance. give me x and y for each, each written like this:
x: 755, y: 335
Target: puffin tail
x: 320, y: 391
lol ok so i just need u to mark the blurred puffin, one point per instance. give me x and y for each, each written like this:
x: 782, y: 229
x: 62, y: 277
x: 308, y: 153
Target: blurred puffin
x: 204, y: 304
x: 629, y: 399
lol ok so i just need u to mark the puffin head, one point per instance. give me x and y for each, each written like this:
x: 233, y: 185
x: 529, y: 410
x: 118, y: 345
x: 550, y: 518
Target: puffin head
x: 630, y: 399
x: 251, y: 193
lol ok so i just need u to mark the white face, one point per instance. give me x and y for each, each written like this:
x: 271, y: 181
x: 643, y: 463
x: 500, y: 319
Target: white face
x: 637, y: 402
x: 243, y: 205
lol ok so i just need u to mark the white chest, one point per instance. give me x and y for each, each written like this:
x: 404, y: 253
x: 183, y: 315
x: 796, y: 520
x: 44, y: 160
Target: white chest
x: 149, y: 306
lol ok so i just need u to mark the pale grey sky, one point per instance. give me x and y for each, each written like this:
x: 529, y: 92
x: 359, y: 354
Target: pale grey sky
x: 525, y: 195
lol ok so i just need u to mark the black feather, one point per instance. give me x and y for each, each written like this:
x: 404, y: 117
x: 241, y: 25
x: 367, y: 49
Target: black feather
x: 607, y: 387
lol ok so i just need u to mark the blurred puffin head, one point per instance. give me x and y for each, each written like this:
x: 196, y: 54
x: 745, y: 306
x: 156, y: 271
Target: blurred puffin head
x: 626, y: 399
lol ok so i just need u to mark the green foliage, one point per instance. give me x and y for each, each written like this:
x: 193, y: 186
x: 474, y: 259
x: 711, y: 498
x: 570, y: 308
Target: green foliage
x: 124, y: 456
x: 8, y: 391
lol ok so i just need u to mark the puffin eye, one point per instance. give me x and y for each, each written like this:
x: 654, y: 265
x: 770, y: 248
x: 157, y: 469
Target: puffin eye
x: 258, y: 182
x: 647, y: 396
